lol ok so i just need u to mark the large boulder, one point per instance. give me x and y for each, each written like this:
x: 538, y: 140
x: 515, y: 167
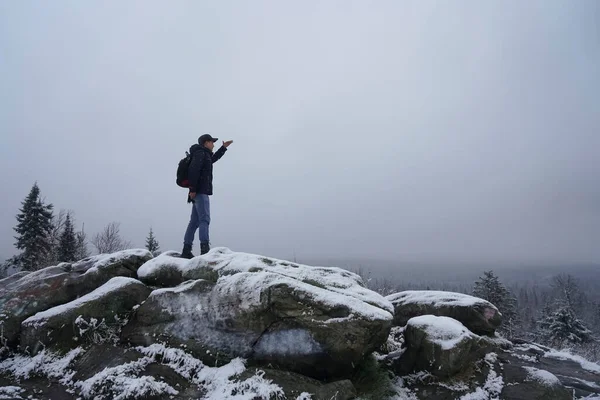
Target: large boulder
x: 478, y: 315
x: 53, y: 286
x: 96, y: 316
x: 440, y: 345
x: 314, y: 320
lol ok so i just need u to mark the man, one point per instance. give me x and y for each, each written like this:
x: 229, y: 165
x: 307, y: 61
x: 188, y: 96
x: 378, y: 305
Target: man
x: 200, y: 177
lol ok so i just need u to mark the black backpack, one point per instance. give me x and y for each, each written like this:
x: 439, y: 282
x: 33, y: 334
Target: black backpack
x: 182, y: 171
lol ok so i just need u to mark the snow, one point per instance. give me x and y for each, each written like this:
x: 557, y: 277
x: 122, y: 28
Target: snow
x: 531, y: 359
x: 455, y: 386
x: 445, y: 331
x: 565, y: 355
x: 168, y: 259
x: 103, y: 260
x: 124, y: 381
x: 338, y: 280
x: 584, y: 382
x: 219, y: 383
x: 541, y: 376
x: 10, y: 392
x: 437, y: 298
x: 119, y: 380
x: 493, y: 385
x: 478, y: 394
x: 113, y: 284
x: 248, y: 286
x: 44, y: 363
x: 245, y: 276
x: 177, y: 289
x: 398, y: 385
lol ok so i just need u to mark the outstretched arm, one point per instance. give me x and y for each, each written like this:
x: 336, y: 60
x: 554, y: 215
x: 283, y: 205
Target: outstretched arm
x: 221, y: 151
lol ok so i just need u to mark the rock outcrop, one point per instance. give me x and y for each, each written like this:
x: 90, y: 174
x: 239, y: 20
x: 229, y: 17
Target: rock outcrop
x: 233, y: 325
x: 440, y: 345
x: 53, y: 286
x: 314, y: 320
x: 96, y: 316
x: 478, y: 315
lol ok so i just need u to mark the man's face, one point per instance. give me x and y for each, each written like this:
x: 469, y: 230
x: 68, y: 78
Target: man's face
x: 209, y: 145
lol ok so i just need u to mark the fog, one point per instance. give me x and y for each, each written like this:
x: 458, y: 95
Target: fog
x: 390, y: 130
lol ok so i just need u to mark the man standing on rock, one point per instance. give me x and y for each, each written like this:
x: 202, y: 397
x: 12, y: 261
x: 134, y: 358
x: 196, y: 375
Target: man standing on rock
x: 201, y: 177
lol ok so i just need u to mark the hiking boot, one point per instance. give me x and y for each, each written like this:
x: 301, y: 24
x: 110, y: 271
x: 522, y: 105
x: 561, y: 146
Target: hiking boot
x: 204, y: 248
x: 187, y: 251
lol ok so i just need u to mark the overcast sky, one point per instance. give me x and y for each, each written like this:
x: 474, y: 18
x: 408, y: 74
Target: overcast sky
x: 402, y: 130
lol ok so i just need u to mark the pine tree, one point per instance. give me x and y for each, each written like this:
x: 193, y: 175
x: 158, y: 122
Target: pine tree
x: 151, y: 242
x: 489, y: 288
x: 67, y: 247
x: 34, y: 225
x: 562, y: 327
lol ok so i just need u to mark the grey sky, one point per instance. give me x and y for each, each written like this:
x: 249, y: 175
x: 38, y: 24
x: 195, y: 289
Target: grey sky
x: 420, y: 130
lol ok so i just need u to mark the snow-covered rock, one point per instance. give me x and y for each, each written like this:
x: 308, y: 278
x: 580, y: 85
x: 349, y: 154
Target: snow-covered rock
x: 95, y: 316
x: 440, y: 345
x: 315, y: 320
x: 53, y: 286
x: 478, y: 315
x: 165, y: 270
x: 9, y: 280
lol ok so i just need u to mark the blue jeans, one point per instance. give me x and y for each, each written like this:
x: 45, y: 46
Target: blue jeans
x: 200, y: 219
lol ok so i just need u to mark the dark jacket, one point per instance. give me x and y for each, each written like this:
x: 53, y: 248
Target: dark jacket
x: 200, y: 170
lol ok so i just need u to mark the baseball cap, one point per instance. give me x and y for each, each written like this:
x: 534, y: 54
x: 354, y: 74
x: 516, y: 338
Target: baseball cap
x: 206, y: 138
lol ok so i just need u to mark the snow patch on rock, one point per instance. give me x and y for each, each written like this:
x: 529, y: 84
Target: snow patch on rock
x: 565, y: 355
x: 542, y: 376
x: 445, y: 331
x: 436, y: 298
x: 493, y: 385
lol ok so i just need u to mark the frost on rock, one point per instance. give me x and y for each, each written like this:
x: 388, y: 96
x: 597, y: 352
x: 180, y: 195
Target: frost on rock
x: 542, y: 376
